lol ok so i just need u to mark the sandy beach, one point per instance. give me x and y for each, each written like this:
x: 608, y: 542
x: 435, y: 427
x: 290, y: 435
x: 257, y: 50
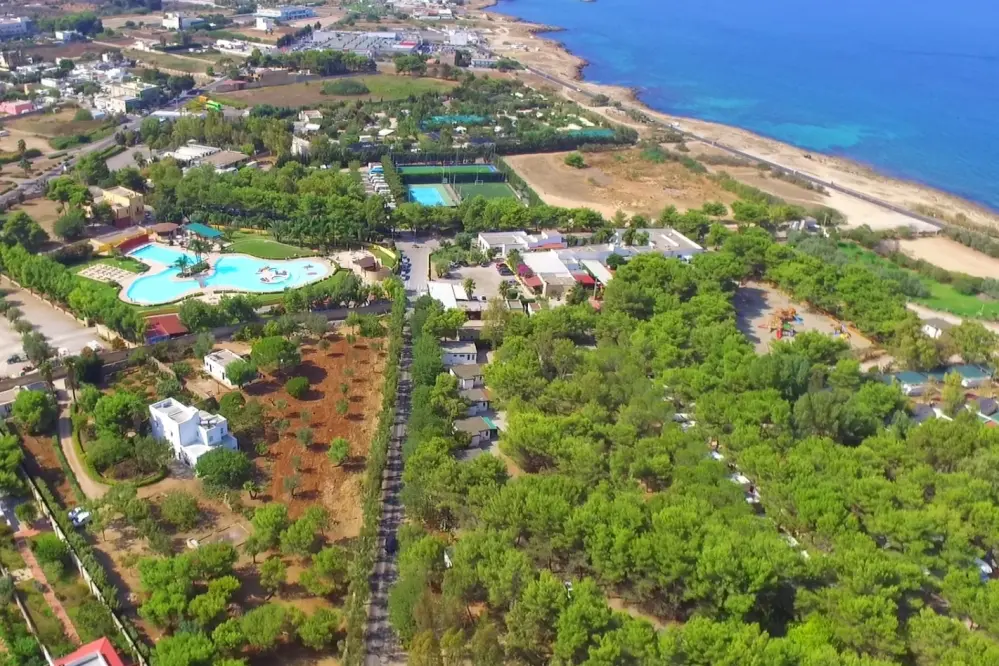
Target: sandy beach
x: 519, y: 40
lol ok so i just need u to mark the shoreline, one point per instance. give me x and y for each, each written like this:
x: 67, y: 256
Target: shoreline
x: 858, y: 187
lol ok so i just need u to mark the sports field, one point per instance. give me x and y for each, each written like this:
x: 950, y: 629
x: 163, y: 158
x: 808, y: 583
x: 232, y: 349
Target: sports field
x: 485, y: 190
x: 422, y: 170
x: 431, y: 195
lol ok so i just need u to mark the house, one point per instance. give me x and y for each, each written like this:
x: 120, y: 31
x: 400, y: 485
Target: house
x: 459, y: 353
x: 300, y: 147
x: 972, y: 376
x: 216, y: 363
x: 935, y: 327
x: 310, y: 116
x: 164, y: 327
x: 480, y: 429
x: 69, y: 36
x: 8, y: 397
x: 177, y: 21
x: 97, y: 653
x: 226, y: 160
x: 265, y: 24
x: 191, y: 431
x: 469, y: 375
x: 912, y: 383
x: 127, y: 207
x: 478, y: 400
x: 920, y: 413
x: 163, y: 231
x: 16, y: 107
x: 504, y: 241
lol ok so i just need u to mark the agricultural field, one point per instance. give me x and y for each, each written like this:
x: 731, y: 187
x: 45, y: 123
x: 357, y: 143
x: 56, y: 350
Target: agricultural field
x: 190, y: 65
x: 51, y: 125
x: 380, y: 87
x: 952, y: 256
x: 616, y: 180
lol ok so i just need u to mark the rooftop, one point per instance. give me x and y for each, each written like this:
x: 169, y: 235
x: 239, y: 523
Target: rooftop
x: 940, y: 324
x: 167, y: 324
x: 459, y: 347
x: 474, y: 395
x: 97, y: 653
x: 163, y: 227
x: 204, y: 231
x: 473, y: 425
x: 470, y: 371
x: 223, y: 357
x: 173, y: 410
x: 122, y: 192
x: 224, y: 158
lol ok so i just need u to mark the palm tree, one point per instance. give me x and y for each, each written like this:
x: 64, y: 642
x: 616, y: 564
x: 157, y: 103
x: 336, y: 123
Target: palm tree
x: 71, y: 362
x: 182, y: 263
x: 469, y: 286
x: 199, y: 248
x: 45, y: 370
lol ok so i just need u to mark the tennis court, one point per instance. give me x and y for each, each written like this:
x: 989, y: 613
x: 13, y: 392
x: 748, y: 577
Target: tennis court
x: 485, y: 190
x: 431, y: 195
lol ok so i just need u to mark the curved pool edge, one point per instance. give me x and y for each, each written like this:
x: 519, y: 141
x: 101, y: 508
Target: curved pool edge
x: 156, y: 267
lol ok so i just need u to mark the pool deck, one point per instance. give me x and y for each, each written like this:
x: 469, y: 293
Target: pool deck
x: 212, y: 294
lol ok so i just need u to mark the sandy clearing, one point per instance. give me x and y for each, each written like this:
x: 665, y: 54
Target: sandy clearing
x: 952, y: 256
x: 616, y: 180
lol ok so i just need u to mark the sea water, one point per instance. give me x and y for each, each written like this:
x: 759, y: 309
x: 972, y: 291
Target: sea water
x: 910, y: 87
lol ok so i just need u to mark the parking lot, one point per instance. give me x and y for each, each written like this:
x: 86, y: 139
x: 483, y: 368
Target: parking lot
x: 62, y: 331
x: 487, y: 279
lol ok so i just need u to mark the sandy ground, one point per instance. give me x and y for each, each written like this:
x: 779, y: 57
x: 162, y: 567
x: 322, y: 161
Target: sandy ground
x: 516, y: 39
x: 952, y: 256
x: 755, y: 304
x: 614, y: 181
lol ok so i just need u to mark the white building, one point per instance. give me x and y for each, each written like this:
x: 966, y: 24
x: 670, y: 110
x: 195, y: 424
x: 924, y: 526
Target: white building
x: 286, y: 12
x: 935, y: 328
x: 264, y: 23
x: 216, y: 363
x: 504, y: 241
x: 177, y: 21
x: 469, y: 376
x: 459, y: 353
x: 14, y: 27
x: 300, y: 147
x: 190, y: 431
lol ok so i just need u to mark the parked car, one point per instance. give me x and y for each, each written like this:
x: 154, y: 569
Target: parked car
x: 79, y: 516
x: 15, y: 358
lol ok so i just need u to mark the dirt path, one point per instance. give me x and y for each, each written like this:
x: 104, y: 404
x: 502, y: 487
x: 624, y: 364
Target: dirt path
x: 927, y: 313
x: 92, y: 489
x: 21, y: 540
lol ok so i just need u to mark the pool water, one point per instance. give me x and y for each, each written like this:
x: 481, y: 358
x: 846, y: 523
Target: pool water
x: 426, y: 195
x: 236, y: 272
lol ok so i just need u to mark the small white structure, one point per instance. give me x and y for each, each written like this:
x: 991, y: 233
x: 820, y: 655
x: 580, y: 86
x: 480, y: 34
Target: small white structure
x: 935, y: 328
x: 190, y: 431
x: 264, y: 23
x: 459, y: 353
x: 216, y: 363
x: 177, y: 21
x: 469, y: 376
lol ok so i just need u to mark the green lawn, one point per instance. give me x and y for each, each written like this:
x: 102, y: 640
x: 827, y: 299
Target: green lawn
x: 124, y: 263
x: 50, y: 629
x: 388, y: 86
x: 386, y: 259
x: 943, y: 297
x: 265, y: 248
x: 168, y: 61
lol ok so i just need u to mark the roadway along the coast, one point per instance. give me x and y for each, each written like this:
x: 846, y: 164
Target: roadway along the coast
x: 381, y: 648
x: 756, y: 158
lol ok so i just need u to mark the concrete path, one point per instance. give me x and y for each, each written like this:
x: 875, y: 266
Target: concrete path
x: 380, y: 643
x: 21, y: 540
x: 92, y: 489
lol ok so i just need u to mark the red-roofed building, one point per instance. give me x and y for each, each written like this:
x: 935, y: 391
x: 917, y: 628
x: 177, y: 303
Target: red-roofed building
x: 532, y: 282
x: 584, y: 279
x: 98, y: 653
x: 164, y: 327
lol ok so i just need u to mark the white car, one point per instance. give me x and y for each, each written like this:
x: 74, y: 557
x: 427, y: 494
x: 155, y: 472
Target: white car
x: 79, y: 516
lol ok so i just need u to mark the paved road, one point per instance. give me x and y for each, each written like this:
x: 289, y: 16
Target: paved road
x: 756, y: 158
x: 380, y: 645
x: 418, y: 250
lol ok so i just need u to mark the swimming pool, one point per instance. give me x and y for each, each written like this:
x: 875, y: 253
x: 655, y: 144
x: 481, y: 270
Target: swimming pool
x: 235, y: 272
x: 427, y: 195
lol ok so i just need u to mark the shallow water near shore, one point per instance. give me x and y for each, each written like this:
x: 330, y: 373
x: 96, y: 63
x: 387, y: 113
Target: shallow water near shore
x: 910, y: 87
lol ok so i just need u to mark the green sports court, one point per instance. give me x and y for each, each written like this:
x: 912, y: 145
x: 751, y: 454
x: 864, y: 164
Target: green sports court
x: 484, y: 190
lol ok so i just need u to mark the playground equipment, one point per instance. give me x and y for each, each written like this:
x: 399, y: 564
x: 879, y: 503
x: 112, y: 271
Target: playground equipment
x: 783, y: 321
x: 840, y: 330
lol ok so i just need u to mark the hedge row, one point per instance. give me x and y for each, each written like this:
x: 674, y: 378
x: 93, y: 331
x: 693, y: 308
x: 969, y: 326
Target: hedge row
x: 94, y: 568
x: 518, y: 183
x: 362, y: 566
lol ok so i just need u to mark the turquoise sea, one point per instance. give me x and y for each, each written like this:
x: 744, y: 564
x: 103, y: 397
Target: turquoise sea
x: 910, y: 87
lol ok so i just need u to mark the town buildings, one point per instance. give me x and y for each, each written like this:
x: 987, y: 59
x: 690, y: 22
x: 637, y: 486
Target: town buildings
x: 16, y: 107
x: 192, y: 432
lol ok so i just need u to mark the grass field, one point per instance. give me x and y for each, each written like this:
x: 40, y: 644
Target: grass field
x: 381, y: 87
x: 485, y: 190
x: 943, y: 297
x: 167, y: 61
x: 386, y: 259
x: 265, y: 248
x: 56, y: 124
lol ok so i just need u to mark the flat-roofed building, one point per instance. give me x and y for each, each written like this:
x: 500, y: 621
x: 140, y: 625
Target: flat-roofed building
x: 286, y: 12
x: 192, y: 432
x: 459, y: 353
x: 504, y: 241
x: 11, y: 27
x: 127, y: 206
x: 215, y: 365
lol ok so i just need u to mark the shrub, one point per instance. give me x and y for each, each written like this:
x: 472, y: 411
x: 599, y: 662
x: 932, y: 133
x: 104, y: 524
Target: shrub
x: 345, y: 87
x: 180, y: 509
x: 108, y: 451
x: 35, y: 410
x: 339, y: 450
x: 49, y: 549
x: 297, y: 387
x: 575, y: 160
